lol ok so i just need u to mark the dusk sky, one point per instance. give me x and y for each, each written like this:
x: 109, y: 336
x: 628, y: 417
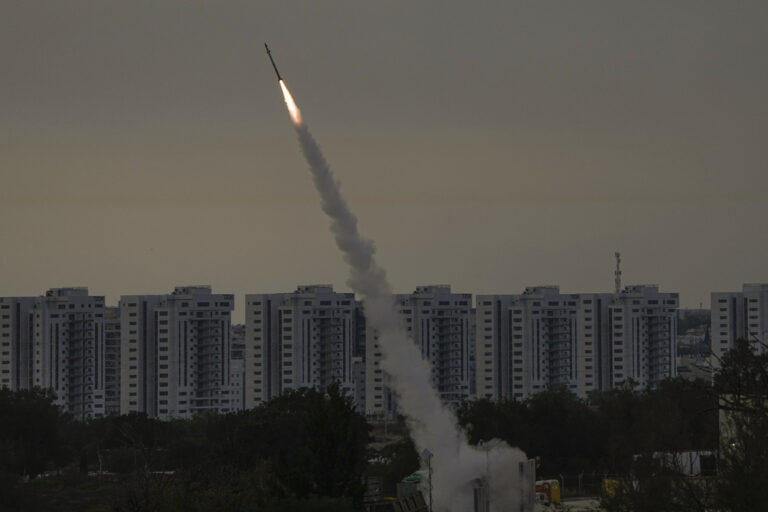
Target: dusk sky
x: 486, y: 145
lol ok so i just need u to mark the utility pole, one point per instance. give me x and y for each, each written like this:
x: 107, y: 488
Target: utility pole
x: 487, y: 476
x: 617, y: 273
x: 427, y: 456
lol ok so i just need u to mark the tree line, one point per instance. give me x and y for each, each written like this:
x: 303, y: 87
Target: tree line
x: 602, y: 433
x: 311, y: 451
x: 304, y: 450
x: 634, y: 437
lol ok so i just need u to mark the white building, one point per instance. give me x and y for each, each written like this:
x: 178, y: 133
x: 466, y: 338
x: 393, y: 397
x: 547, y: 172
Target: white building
x: 175, y: 353
x: 237, y: 367
x: 441, y: 324
x: 56, y: 342
x: 737, y: 315
x: 305, y: 339
x: 643, y: 325
x: 16, y: 326
x: 138, y: 353
x: 529, y: 342
x: 112, y: 360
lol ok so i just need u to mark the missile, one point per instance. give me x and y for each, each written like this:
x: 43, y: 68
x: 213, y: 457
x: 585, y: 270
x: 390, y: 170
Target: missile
x: 279, y: 78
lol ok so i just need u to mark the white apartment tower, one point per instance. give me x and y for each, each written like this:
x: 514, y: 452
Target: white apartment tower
x: 441, y: 324
x: 138, y: 353
x: 237, y: 367
x: 56, y: 342
x: 541, y: 338
x: 112, y: 361
x: 175, y: 357
x: 528, y: 342
x: 737, y: 315
x: 305, y: 339
x: 16, y: 327
x: 643, y: 332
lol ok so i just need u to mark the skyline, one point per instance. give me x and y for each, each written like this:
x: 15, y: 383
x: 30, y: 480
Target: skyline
x: 146, y: 146
x: 240, y: 308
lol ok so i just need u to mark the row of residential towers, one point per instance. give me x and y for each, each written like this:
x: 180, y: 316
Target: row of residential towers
x: 175, y: 355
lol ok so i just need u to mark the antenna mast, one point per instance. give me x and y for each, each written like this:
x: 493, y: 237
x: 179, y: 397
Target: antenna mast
x: 617, y: 273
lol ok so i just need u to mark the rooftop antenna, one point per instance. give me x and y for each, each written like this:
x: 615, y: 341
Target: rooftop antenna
x: 617, y: 273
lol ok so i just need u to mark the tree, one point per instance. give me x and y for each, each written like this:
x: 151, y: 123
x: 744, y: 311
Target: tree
x: 742, y: 385
x: 300, y: 445
x: 554, y: 425
x: 618, y: 411
x: 316, y: 443
x: 29, y: 431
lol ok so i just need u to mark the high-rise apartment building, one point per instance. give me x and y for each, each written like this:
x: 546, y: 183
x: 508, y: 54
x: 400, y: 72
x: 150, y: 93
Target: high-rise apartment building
x: 56, y: 342
x: 237, y: 367
x: 643, y: 333
x: 737, y: 315
x: 16, y: 327
x: 175, y: 353
x: 112, y: 361
x: 305, y: 339
x: 138, y: 353
x: 541, y: 338
x: 441, y: 324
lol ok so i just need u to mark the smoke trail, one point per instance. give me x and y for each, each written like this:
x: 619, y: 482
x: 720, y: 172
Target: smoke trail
x: 455, y: 463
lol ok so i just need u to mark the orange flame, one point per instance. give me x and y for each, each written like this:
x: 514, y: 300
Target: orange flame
x: 293, y: 110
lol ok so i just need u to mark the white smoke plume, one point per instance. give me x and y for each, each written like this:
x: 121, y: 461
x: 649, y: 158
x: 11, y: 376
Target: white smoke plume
x: 455, y: 464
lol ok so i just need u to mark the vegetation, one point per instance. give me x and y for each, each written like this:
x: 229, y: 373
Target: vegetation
x: 742, y: 385
x: 303, y: 451
x: 602, y: 434
x: 635, y: 437
x: 695, y: 318
x: 310, y: 451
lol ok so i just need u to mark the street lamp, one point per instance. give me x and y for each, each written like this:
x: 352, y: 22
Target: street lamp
x: 426, y: 455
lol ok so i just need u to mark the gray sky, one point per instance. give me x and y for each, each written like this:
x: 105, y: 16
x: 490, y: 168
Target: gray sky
x: 487, y: 145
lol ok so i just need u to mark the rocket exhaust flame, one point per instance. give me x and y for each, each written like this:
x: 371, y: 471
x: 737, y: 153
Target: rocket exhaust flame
x: 455, y: 463
x: 293, y: 110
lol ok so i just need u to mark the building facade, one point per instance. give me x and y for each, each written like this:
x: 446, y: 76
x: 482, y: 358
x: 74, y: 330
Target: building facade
x: 56, y: 342
x: 16, y: 342
x: 441, y: 324
x: 176, y: 353
x: 138, y: 353
x: 112, y: 361
x: 305, y: 339
x: 643, y: 331
x: 237, y: 367
x: 737, y: 315
x: 584, y: 342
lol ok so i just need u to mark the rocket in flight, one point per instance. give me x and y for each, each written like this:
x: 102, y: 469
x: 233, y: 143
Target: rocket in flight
x: 279, y: 78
